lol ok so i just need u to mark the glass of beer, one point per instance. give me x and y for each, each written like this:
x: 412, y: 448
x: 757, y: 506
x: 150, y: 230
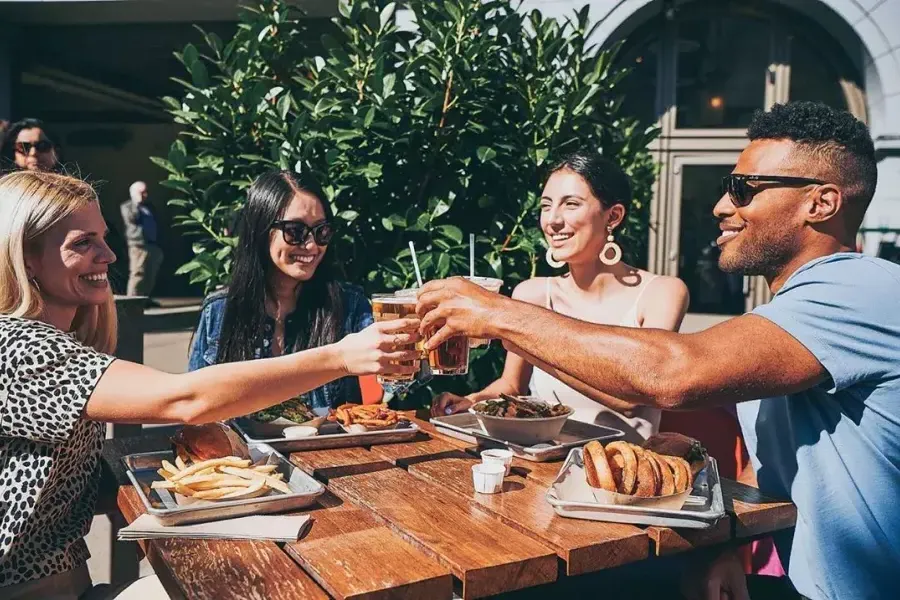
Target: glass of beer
x: 387, y: 307
x: 451, y: 357
x: 491, y: 284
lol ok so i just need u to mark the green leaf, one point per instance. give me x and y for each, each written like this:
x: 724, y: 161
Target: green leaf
x: 199, y: 74
x: 344, y: 8
x: 387, y: 14
x: 388, y: 84
x: 348, y: 215
x: 452, y: 232
x: 387, y: 224
x: 284, y: 106
x: 190, y: 55
x: 443, y: 265
x: 439, y: 209
x: 541, y: 155
x: 486, y: 154
x: 370, y: 116
x: 188, y: 267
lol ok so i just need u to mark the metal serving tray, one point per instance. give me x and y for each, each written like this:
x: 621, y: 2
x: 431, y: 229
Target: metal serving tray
x: 571, y: 497
x: 162, y: 504
x: 331, y: 435
x: 465, y: 426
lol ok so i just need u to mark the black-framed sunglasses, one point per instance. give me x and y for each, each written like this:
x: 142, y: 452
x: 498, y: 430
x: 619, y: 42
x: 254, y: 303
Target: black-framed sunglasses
x: 296, y: 232
x: 735, y: 185
x: 40, y: 146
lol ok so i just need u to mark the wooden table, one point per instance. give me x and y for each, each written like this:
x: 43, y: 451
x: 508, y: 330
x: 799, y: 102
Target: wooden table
x: 403, y: 521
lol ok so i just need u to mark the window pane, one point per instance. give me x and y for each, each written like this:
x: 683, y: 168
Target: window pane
x: 639, y: 86
x: 813, y: 78
x: 712, y: 291
x: 722, y: 66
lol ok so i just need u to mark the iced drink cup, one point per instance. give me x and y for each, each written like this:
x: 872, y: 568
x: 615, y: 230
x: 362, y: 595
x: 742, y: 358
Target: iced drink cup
x: 491, y: 284
x: 387, y: 307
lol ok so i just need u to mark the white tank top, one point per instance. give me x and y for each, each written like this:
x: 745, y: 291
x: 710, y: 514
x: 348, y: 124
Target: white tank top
x: 645, y: 420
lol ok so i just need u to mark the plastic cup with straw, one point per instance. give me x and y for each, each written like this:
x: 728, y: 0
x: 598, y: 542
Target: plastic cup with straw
x: 489, y: 283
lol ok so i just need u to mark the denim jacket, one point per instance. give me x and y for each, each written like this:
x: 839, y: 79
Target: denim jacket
x: 357, y: 316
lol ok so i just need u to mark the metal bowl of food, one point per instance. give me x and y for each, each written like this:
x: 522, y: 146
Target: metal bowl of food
x: 524, y: 420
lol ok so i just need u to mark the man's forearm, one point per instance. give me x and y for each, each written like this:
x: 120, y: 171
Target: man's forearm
x: 645, y: 367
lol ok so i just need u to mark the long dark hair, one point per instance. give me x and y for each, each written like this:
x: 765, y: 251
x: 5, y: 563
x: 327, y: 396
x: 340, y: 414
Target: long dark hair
x: 8, y: 148
x: 607, y: 180
x: 320, y: 314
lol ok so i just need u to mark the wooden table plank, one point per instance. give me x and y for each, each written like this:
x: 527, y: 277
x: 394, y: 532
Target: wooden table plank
x: 671, y: 541
x: 753, y: 512
x: 420, y: 418
x: 222, y: 569
x: 585, y: 546
x: 325, y: 464
x: 487, y: 556
x: 353, y: 556
x: 424, y: 448
x: 371, y: 564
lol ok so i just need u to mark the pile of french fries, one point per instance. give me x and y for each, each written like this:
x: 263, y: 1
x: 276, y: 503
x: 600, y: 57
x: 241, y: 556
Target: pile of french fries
x: 228, y: 478
x: 368, y: 415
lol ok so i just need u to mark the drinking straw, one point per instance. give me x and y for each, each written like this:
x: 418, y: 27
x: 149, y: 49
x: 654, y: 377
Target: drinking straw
x: 472, y: 255
x: 412, y: 251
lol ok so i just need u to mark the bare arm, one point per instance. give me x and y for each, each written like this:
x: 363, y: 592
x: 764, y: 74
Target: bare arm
x: 133, y: 393
x: 664, y: 309
x: 744, y: 358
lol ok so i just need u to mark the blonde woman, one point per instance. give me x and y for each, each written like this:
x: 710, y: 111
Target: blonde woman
x: 583, y: 202
x: 59, y: 384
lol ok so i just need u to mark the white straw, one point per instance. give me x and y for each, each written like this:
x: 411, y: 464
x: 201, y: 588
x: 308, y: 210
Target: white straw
x: 472, y: 255
x: 412, y: 251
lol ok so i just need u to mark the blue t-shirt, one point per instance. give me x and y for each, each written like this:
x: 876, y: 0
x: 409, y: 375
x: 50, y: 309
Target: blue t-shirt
x: 834, y: 449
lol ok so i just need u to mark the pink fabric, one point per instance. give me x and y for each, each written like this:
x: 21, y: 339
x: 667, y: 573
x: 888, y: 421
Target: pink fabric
x: 764, y: 558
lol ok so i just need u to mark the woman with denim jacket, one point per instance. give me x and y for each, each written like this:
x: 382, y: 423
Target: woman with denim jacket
x: 283, y: 296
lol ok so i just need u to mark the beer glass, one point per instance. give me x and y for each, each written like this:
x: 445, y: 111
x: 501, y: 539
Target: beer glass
x: 387, y: 307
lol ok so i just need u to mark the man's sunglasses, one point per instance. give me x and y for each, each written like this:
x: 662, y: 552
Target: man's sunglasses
x: 40, y: 146
x: 296, y: 232
x: 735, y: 185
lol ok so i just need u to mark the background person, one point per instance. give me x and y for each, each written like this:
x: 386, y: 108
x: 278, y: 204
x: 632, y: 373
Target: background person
x: 27, y: 145
x: 816, y: 371
x: 583, y: 202
x: 59, y: 384
x: 283, y: 296
x: 145, y: 256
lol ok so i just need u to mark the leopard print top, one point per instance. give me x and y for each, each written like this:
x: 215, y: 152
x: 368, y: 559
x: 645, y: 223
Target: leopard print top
x: 49, y: 455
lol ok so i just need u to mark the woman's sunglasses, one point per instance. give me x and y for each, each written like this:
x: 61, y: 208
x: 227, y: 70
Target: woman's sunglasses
x: 39, y: 146
x: 740, y: 194
x: 296, y: 232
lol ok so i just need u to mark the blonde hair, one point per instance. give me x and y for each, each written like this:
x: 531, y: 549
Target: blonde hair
x: 32, y: 202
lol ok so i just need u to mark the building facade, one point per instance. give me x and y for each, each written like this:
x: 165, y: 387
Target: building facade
x: 700, y: 70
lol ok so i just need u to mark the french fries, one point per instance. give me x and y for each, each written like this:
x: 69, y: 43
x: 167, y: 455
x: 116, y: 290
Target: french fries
x: 371, y: 416
x: 228, y: 478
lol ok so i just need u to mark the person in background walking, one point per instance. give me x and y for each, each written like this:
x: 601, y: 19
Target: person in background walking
x: 28, y: 145
x: 141, y: 232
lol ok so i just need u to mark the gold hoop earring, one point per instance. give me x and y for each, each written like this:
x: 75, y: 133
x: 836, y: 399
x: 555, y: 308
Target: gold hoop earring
x: 552, y: 261
x: 616, y: 250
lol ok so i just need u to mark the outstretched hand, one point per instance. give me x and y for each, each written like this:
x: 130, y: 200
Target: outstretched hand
x: 456, y: 307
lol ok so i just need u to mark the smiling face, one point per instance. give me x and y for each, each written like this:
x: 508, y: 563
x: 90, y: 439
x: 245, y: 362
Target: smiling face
x: 70, y: 262
x: 298, y: 262
x: 573, y: 220
x: 764, y: 236
x: 28, y: 156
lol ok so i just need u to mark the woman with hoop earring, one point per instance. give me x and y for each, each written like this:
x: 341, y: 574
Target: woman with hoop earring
x: 584, y: 201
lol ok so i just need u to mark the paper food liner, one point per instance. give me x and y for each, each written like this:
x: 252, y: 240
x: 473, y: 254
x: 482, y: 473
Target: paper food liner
x: 573, y: 487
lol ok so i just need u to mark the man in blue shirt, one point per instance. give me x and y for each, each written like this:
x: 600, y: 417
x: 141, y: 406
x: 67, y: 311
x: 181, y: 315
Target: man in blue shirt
x: 145, y: 255
x: 824, y: 354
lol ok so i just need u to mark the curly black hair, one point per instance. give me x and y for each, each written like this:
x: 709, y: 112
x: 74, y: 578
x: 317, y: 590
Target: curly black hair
x: 834, y: 138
